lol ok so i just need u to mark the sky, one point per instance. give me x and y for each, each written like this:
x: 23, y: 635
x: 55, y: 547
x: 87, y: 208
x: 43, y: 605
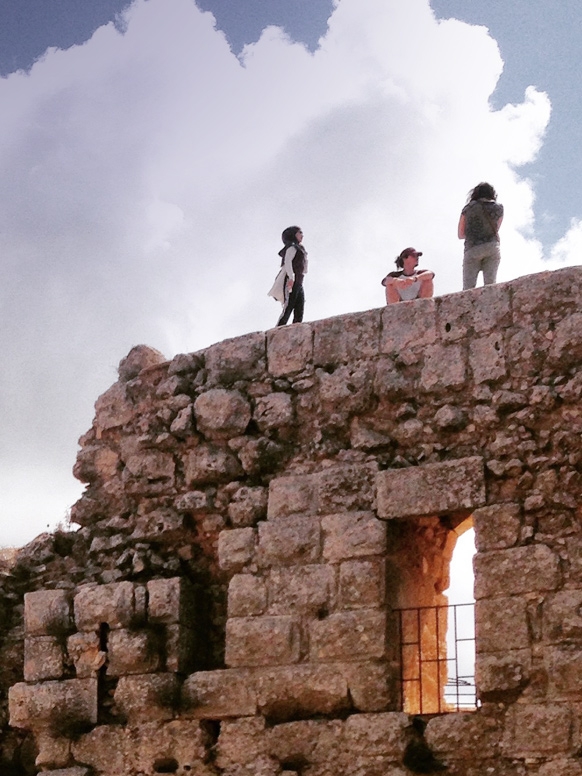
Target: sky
x: 152, y: 152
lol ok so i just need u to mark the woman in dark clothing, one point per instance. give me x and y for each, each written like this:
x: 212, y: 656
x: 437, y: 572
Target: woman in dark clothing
x: 294, y: 261
x: 479, y: 227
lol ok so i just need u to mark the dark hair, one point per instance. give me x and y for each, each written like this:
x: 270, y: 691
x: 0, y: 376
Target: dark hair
x: 482, y: 191
x: 289, y: 235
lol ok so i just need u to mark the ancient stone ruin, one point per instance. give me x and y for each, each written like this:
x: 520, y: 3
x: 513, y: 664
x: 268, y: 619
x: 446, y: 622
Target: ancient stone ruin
x: 258, y: 516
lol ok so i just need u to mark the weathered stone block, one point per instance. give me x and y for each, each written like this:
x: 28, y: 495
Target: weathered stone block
x: 378, y: 734
x: 248, y: 506
x: 171, y: 601
x: 352, y: 535
x: 150, y: 465
x: 76, y: 770
x: 346, y: 488
x: 531, y: 294
x: 181, y: 648
x: 47, y: 612
x: 247, y: 596
x: 274, y: 411
x: 113, y: 409
x: 236, y: 548
x: 107, y: 748
x: 431, y: 489
x: 289, y: 349
x: 260, y: 641
x: 491, y: 307
x: 348, y: 636
x: 464, y: 736
x: 132, y: 652
x: 502, y: 672
x: 537, y: 730
x: 219, y: 694
x: 240, y: 358
x: 289, y: 541
x: 53, y: 751
x: 515, y: 571
x: 292, y: 495
x: 299, y: 691
x: 373, y: 686
x: 115, y: 604
x: 84, y: 649
x: 444, y: 367
x: 63, y: 707
x: 43, y: 658
x: 221, y: 413
x: 161, y: 525
x: 408, y: 326
x: 501, y: 624
x: 242, y: 743
x: 564, y: 667
x: 346, y: 337
x: 147, y: 698
x: 362, y: 583
x: 486, y: 358
x: 304, y: 589
x: 497, y: 527
x: 562, y: 617
x: 207, y: 464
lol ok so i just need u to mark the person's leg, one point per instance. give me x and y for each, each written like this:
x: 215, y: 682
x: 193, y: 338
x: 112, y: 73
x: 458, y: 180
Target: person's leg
x: 491, y: 264
x: 299, y: 306
x: 471, y: 267
x: 426, y: 288
x: 289, y: 307
x: 392, y: 295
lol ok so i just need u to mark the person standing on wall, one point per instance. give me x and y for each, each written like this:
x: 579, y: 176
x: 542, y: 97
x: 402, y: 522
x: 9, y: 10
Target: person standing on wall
x: 479, y: 227
x: 408, y: 282
x: 288, y: 286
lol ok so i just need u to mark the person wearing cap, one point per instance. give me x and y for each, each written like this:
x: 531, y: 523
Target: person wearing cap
x: 408, y: 282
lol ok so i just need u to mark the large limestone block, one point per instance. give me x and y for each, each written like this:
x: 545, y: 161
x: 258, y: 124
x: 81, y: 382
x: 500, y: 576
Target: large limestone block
x: 147, y: 698
x: 501, y: 624
x: 301, y: 691
x: 497, y: 527
x: 352, y: 535
x: 546, y: 296
x: 274, y: 411
x: 444, y: 367
x: 373, y: 685
x: 180, y: 746
x: 161, y: 525
x: 247, y: 596
x: 219, y: 694
x: 537, y: 730
x: 566, y: 347
x: 132, y: 652
x: 260, y: 641
x: 289, y: 349
x: 346, y: 488
x: 243, y: 742
x: 207, y: 464
x: 64, y: 707
x: 564, y: 668
x: 43, y: 658
x: 107, y: 748
x: 301, y: 590
x: 500, y: 673
x: 487, y: 358
x: 117, y: 604
x: 113, y: 409
x: 292, y: 495
x: 221, y: 413
x: 248, y: 506
x: 562, y: 617
x: 345, y: 338
x: 240, y: 358
x: 148, y: 465
x: 464, y: 736
x: 171, y: 601
x: 47, y: 612
x: 53, y: 751
x: 348, y: 636
x: 378, y: 734
x: 289, y: 541
x: 236, y: 548
x: 408, y: 326
x: 516, y: 570
x: 432, y: 489
x: 362, y: 583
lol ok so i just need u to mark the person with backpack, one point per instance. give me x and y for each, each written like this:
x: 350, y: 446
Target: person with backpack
x: 479, y: 227
x: 288, y: 285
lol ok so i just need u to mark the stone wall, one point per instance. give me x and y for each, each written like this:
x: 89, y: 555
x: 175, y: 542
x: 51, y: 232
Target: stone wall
x: 255, y: 513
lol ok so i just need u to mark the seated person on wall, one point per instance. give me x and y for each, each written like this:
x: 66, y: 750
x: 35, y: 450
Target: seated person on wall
x: 408, y: 282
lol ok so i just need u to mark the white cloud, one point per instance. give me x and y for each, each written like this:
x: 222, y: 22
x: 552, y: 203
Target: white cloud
x: 146, y: 178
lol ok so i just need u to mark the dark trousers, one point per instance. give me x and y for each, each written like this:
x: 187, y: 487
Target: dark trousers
x: 295, y: 304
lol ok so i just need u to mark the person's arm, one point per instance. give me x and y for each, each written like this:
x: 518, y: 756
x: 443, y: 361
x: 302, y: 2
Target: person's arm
x: 424, y: 274
x: 461, y: 227
x: 298, y: 267
x: 288, y: 260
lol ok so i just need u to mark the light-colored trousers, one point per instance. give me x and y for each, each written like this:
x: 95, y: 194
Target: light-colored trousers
x: 485, y: 258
